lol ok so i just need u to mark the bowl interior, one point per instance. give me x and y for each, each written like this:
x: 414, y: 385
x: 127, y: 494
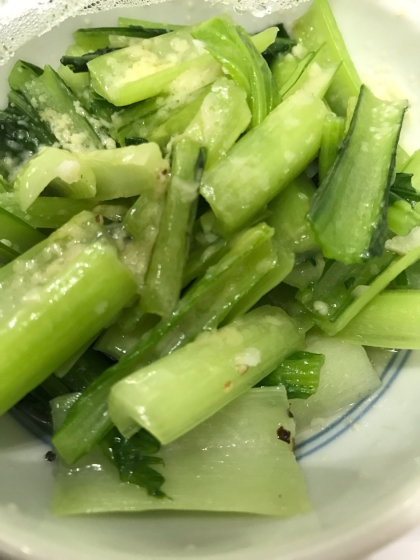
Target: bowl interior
x: 363, y: 471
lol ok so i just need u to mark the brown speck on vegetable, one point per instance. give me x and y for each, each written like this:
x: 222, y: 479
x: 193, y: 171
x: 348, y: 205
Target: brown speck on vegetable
x: 98, y: 218
x: 290, y: 413
x: 227, y: 386
x: 50, y: 456
x: 283, y: 434
x: 242, y: 369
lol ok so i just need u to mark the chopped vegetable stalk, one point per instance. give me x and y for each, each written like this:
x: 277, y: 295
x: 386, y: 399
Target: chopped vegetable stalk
x: 159, y: 62
x: 72, y: 177
x: 59, y: 108
x: 298, y: 373
x: 117, y: 341
x: 317, y: 27
x: 47, y: 212
x: 284, y: 264
x: 16, y: 233
x: 126, y: 172
x: 93, y: 38
x: 203, y: 307
x: 363, y: 294
x: 292, y: 229
x: 177, y: 123
x: 223, y: 116
x: 232, y: 47
x: 391, y: 320
x: 202, y: 380
x: 212, y: 468
x: 146, y: 69
x: 343, y: 201
x: 332, y: 137
x: 75, y: 275
x: 347, y: 376
x: 164, y: 276
x: 106, y: 174
x: 142, y: 222
x: 21, y: 73
x: 288, y: 71
x: 282, y: 67
x: 316, y: 77
x: 265, y: 160
x: 159, y: 122
x: 203, y: 257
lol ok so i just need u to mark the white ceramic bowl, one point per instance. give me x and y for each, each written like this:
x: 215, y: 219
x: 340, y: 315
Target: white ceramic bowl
x: 363, y: 471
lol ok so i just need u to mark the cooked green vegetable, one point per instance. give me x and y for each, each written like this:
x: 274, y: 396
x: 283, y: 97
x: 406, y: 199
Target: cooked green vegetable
x: 58, y: 107
x: 164, y: 277
x: 159, y: 62
x: 232, y: 47
x: 391, y: 320
x: 332, y: 138
x: 94, y: 38
x: 203, y: 307
x: 16, y: 233
x: 220, y: 199
x: 203, y: 470
x: 265, y: 160
x: 298, y: 373
x: 347, y: 376
x: 349, y: 219
x: 338, y: 310
x: 223, y: 116
x: 313, y: 75
x: 202, y: 380
x: 316, y: 28
x: 75, y: 275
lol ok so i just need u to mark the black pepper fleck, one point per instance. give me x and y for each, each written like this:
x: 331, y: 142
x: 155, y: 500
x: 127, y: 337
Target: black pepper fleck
x: 283, y: 434
x: 290, y: 413
x: 50, y: 456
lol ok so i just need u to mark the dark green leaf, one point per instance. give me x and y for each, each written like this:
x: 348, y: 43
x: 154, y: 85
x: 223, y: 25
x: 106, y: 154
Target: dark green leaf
x: 131, y: 141
x: 133, y: 458
x: 79, y: 63
x: 402, y: 189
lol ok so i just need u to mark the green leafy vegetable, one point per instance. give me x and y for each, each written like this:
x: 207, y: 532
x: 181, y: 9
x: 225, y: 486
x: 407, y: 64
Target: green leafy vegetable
x: 133, y: 458
x: 79, y: 63
x: 402, y: 189
x: 299, y: 373
x: 232, y: 47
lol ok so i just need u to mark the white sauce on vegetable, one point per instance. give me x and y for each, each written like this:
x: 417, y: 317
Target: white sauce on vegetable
x: 321, y: 307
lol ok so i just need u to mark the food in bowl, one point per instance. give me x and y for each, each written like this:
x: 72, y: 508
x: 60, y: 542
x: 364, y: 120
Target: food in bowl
x: 177, y: 271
